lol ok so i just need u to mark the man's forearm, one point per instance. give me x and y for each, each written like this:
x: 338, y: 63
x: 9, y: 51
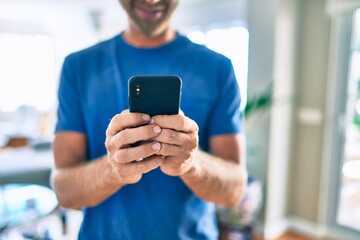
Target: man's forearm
x: 217, y: 180
x: 84, y: 185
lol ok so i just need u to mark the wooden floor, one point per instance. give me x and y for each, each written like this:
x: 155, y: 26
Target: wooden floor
x: 289, y: 236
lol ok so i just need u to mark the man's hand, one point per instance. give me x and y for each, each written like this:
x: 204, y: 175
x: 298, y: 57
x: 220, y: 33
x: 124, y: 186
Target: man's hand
x: 129, y: 163
x: 179, y: 139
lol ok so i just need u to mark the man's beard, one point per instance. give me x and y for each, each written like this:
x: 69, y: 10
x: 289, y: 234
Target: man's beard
x: 147, y: 26
x: 150, y: 31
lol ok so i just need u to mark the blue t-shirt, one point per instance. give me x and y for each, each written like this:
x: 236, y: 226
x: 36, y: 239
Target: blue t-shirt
x: 93, y: 88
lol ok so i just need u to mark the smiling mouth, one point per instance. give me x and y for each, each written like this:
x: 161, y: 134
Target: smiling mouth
x: 148, y: 12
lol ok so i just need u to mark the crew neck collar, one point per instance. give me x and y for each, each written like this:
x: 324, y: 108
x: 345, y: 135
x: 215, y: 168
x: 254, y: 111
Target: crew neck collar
x: 167, y: 45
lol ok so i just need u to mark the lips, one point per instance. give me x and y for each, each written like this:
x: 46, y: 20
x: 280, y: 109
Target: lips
x: 149, y: 12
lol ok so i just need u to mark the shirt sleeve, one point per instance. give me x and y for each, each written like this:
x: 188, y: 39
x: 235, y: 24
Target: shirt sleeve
x: 227, y: 117
x: 69, y: 113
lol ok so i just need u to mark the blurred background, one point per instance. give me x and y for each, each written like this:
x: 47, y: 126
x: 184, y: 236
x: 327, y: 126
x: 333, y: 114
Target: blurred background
x: 298, y: 67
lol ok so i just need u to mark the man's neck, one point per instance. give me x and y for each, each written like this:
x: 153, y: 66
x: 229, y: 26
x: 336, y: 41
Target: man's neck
x: 138, y: 39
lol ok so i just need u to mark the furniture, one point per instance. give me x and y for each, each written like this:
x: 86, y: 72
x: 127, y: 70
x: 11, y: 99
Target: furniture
x: 25, y: 194
x: 24, y: 203
x: 25, y: 165
x: 239, y: 223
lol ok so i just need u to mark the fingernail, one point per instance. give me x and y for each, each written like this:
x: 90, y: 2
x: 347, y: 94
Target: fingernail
x: 157, y: 129
x: 145, y: 117
x: 152, y: 121
x: 156, y: 146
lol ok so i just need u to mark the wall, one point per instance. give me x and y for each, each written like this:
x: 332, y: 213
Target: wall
x: 314, y: 38
x: 289, y: 45
x: 261, y: 21
x: 282, y: 122
x: 204, y: 13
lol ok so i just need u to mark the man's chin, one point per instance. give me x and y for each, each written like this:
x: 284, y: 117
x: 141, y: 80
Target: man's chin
x: 151, y: 33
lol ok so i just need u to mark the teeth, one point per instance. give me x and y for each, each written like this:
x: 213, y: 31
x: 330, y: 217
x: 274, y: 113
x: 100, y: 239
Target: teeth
x: 151, y: 9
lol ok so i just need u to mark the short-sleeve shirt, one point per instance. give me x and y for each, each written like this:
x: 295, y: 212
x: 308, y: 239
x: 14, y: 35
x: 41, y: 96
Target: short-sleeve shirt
x: 94, y: 87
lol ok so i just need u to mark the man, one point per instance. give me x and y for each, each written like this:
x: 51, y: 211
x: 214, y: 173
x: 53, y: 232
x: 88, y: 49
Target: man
x: 166, y: 188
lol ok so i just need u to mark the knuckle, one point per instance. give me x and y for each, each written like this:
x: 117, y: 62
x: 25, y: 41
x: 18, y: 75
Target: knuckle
x: 117, y: 117
x: 184, y: 138
x: 164, y: 135
x: 194, y: 145
x: 182, y: 124
x: 196, y: 127
x: 174, y: 135
x: 108, y: 145
x: 178, y: 138
x: 194, y: 141
x: 187, y: 154
x: 122, y: 135
x: 167, y: 134
x: 190, y: 142
x: 107, y: 132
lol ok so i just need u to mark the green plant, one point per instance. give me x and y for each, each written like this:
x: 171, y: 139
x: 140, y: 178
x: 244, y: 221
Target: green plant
x: 259, y: 101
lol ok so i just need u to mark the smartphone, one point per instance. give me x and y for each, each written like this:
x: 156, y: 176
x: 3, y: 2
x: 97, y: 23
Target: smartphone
x: 155, y: 95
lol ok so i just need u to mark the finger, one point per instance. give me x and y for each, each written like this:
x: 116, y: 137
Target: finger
x: 173, y: 137
x: 130, y: 154
x: 175, y: 166
x: 174, y: 161
x: 133, y: 135
x: 176, y: 122
x: 144, y: 166
x: 169, y: 150
x: 126, y: 120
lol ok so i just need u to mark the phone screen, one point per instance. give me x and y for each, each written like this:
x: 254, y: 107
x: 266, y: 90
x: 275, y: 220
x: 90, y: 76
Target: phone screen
x: 155, y: 95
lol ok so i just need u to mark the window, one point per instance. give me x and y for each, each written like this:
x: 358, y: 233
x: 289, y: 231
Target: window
x: 27, y: 72
x: 27, y: 84
x: 232, y: 42
x: 348, y: 212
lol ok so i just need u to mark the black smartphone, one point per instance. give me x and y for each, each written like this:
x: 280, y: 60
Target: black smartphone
x: 155, y: 95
